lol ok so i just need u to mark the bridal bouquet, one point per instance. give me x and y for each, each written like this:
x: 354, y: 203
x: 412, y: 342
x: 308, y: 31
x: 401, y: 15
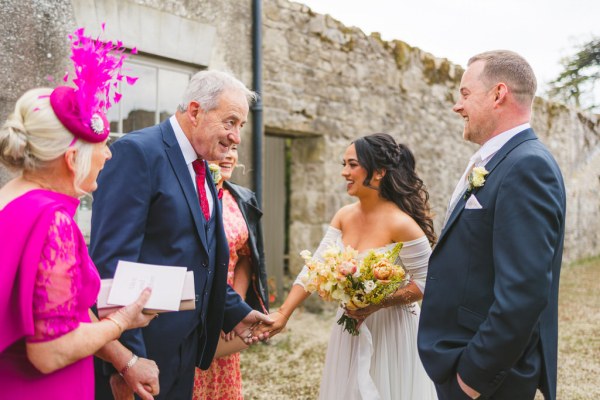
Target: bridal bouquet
x: 355, y: 283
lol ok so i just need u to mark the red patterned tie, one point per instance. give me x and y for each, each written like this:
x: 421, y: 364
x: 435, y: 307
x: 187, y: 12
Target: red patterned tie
x: 200, y: 170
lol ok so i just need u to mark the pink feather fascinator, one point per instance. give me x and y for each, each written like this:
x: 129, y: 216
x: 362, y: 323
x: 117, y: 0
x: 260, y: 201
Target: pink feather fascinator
x: 97, y: 69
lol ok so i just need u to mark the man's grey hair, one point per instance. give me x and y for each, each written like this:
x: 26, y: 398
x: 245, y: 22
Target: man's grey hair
x: 206, y: 87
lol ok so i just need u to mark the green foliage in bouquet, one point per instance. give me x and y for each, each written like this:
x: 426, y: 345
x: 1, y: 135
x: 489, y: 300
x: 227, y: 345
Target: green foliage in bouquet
x: 355, y: 283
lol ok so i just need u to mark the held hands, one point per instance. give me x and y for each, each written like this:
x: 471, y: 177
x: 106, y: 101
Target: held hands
x: 280, y: 321
x: 248, y: 330
x: 142, y: 379
x: 131, y: 316
x: 120, y: 389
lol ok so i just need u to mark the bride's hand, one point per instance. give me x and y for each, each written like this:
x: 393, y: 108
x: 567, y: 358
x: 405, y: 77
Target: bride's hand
x: 361, y: 314
x: 277, y: 326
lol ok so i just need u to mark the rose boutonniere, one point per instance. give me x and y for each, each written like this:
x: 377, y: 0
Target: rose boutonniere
x: 476, y: 179
x: 215, y: 173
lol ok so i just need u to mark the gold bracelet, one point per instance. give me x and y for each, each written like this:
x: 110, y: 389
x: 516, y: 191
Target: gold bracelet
x: 129, y: 364
x: 114, y: 321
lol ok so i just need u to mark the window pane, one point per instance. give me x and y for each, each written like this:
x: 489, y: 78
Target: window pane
x: 171, y: 85
x: 114, y: 115
x: 139, y: 101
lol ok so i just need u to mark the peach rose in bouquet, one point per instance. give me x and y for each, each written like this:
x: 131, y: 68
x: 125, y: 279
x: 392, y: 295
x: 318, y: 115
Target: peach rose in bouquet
x: 340, y: 275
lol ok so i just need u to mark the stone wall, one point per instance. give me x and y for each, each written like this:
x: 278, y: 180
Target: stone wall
x: 34, y: 45
x: 334, y: 83
x: 325, y: 84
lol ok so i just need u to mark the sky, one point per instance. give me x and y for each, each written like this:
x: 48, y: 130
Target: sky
x: 542, y: 31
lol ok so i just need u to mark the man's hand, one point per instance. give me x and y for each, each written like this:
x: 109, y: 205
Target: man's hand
x: 142, y: 379
x: 119, y: 388
x: 245, y: 329
x: 472, y: 393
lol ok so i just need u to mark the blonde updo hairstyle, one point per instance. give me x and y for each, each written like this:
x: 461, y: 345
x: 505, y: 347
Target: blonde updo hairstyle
x: 32, y: 136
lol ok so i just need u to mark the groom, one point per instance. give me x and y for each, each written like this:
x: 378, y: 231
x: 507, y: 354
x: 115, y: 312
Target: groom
x: 489, y: 322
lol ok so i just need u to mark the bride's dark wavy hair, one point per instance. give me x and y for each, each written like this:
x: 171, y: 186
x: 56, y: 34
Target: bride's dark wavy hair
x: 400, y: 184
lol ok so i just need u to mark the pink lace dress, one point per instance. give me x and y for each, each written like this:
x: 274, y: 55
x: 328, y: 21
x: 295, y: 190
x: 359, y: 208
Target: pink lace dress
x: 48, y: 285
x: 223, y: 379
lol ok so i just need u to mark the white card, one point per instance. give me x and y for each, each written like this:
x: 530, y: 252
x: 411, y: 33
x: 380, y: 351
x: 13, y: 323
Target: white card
x: 131, y: 278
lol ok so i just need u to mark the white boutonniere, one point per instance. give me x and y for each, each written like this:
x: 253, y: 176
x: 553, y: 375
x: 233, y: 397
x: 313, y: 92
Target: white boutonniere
x: 476, y: 179
x: 215, y: 173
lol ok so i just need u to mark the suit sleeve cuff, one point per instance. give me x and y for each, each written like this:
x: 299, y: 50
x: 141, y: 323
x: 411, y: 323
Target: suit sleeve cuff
x: 234, y: 315
x: 483, y: 381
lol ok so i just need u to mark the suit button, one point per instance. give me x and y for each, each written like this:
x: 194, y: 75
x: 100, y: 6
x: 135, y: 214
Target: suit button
x: 204, y: 264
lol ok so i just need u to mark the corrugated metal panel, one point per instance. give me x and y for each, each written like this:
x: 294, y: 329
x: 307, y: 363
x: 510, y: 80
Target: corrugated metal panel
x: 274, y: 210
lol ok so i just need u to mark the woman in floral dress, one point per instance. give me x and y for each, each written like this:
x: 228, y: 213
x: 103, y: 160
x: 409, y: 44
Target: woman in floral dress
x: 246, y: 274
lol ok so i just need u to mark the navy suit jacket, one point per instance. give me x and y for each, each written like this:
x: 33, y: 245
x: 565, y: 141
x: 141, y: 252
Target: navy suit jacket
x: 146, y: 209
x: 491, y: 299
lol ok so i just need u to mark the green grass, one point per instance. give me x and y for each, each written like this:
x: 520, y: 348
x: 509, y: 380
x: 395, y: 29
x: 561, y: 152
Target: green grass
x: 579, y: 331
x: 290, y: 365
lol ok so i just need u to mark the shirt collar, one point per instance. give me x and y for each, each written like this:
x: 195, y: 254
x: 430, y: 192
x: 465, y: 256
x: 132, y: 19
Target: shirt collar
x: 189, y: 154
x: 491, y: 147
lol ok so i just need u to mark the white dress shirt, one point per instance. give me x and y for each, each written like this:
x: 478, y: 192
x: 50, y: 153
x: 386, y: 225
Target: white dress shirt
x: 481, y: 157
x: 189, y: 155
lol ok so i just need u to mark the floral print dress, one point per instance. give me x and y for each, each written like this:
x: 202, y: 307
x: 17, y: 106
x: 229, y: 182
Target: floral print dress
x: 223, y: 379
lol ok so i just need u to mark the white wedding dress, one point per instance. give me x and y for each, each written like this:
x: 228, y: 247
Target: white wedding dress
x: 382, y: 362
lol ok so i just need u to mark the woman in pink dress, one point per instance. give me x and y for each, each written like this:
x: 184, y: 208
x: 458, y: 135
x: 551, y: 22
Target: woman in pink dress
x: 246, y: 274
x: 57, y: 144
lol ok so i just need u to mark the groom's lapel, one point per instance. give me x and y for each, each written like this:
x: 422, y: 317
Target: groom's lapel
x: 490, y: 166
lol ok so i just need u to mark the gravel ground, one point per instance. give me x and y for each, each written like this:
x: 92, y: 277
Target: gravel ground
x: 289, y: 366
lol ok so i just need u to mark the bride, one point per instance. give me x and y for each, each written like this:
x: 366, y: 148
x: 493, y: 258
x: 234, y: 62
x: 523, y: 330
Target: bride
x: 382, y: 362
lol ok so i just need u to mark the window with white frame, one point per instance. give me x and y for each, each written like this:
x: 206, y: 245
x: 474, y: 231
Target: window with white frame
x: 152, y: 99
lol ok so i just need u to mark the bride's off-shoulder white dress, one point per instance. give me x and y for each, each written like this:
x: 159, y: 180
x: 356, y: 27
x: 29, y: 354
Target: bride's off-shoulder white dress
x: 382, y: 362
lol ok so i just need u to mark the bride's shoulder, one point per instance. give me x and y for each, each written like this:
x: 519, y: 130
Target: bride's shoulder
x: 343, y: 214
x: 403, y: 227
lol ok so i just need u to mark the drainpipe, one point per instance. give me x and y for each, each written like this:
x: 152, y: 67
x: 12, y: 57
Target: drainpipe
x: 257, y: 107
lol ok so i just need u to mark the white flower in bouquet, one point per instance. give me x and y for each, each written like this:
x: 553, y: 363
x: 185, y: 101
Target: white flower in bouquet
x: 355, y: 283
x: 369, y: 286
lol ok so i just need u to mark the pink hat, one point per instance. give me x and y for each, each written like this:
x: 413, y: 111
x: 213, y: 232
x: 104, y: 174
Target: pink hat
x: 64, y: 103
x: 97, y: 68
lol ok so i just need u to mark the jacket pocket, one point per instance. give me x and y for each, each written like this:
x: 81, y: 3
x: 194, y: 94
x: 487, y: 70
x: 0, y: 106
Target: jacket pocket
x: 474, y: 213
x: 469, y: 319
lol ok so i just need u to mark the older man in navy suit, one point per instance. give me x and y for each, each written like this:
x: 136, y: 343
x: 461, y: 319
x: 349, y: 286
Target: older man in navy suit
x: 160, y: 207
x: 489, y: 323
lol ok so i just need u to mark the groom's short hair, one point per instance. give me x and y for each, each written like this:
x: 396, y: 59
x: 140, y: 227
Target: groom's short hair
x: 512, y: 69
